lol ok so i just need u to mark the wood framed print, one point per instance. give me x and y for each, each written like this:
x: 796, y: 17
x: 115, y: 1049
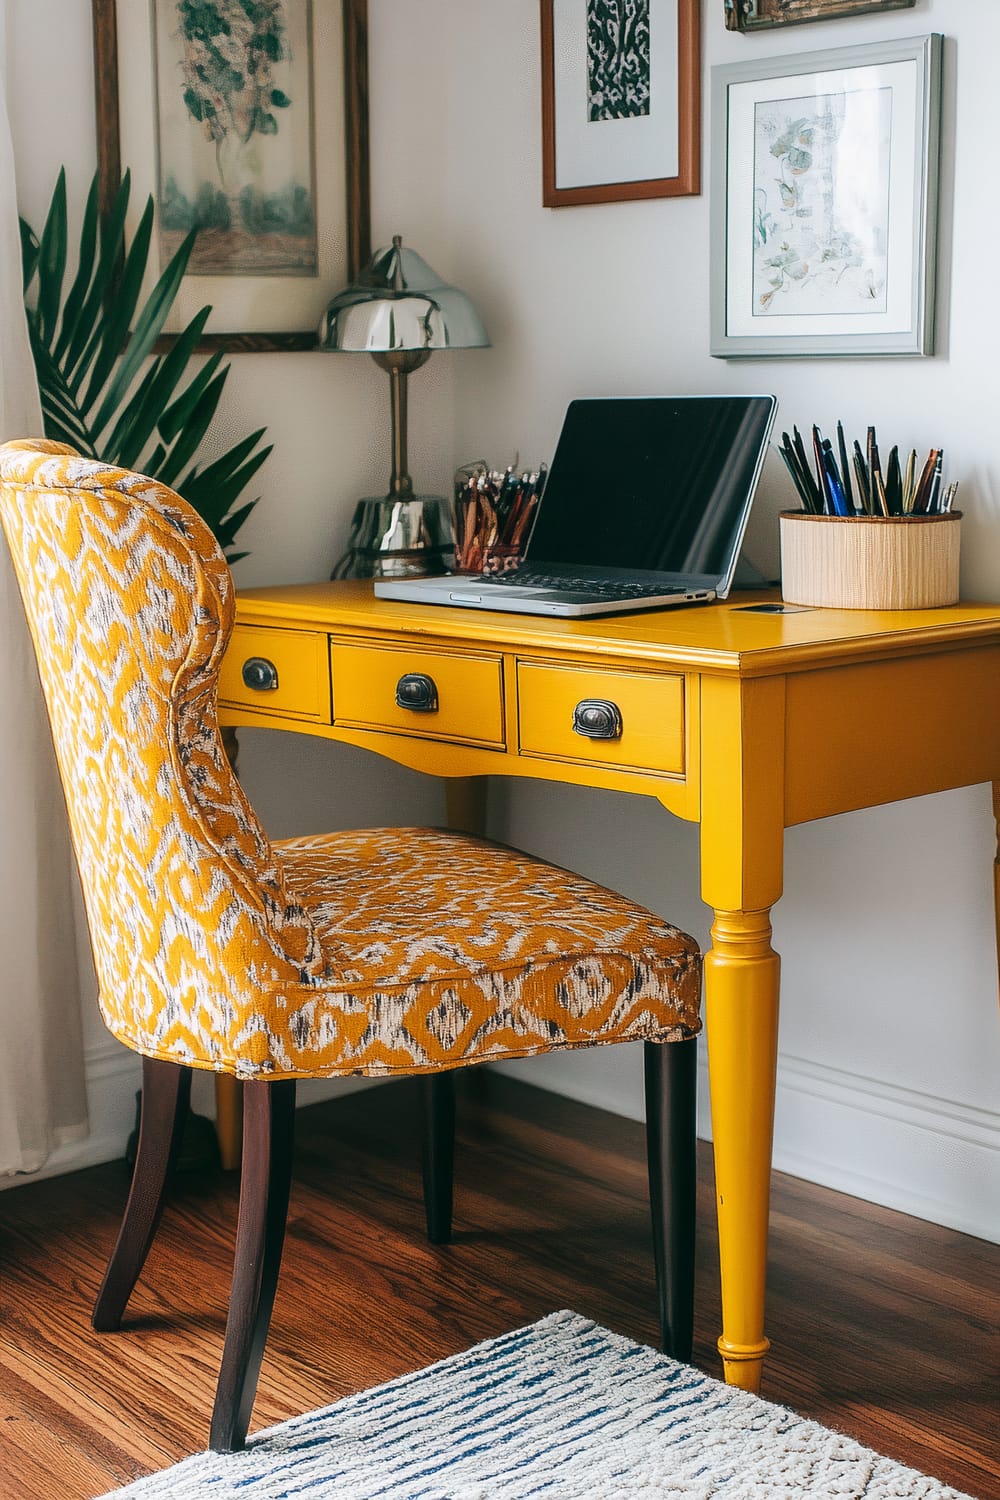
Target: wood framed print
x: 248, y: 123
x: 753, y: 15
x: 621, y: 100
x: 824, y: 202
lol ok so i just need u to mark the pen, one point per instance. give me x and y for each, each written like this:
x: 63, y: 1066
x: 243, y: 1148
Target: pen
x: 822, y: 477
x: 801, y: 477
x: 909, y: 482
x: 813, y: 485
x: 864, y: 480
x: 880, y: 505
x: 845, y: 470
x: 894, y: 484
x: 923, y: 491
x: 933, y: 499
x: 805, y: 495
x: 838, y: 500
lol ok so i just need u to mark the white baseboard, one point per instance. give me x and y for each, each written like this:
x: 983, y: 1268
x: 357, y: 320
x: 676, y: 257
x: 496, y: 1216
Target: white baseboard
x: 917, y: 1153
x: 922, y: 1155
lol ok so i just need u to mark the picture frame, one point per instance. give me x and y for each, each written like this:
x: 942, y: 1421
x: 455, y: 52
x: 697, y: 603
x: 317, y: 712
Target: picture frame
x: 271, y: 311
x: 754, y: 15
x: 824, y: 202
x: 610, y: 99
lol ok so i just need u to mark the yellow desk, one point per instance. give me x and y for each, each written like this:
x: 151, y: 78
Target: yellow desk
x: 746, y: 722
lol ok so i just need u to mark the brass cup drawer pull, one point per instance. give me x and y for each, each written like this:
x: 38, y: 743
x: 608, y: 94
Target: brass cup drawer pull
x: 597, y: 719
x: 417, y: 692
x: 260, y: 674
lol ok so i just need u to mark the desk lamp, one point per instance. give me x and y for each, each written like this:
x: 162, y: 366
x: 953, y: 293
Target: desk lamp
x: 398, y: 311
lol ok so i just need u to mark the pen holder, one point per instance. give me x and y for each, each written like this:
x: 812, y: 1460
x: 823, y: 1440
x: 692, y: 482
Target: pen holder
x: 493, y: 513
x: 870, y: 562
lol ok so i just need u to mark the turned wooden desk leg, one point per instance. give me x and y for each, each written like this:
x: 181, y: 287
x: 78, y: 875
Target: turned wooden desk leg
x: 741, y: 1012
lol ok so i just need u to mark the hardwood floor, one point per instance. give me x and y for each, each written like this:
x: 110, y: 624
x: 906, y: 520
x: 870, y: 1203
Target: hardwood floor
x: 883, y: 1326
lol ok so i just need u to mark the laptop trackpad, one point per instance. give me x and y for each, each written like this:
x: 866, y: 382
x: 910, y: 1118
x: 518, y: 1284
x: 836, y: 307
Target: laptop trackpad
x: 489, y: 595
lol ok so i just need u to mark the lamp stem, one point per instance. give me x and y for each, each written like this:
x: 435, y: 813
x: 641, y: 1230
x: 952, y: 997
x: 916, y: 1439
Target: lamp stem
x: 400, y: 363
x: 400, y: 483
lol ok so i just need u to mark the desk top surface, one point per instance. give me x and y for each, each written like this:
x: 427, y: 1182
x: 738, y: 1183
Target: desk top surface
x: 733, y: 635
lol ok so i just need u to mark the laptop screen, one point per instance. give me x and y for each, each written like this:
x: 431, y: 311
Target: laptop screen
x: 662, y: 483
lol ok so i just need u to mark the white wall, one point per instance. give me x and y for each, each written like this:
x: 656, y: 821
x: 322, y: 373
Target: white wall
x: 890, y: 1047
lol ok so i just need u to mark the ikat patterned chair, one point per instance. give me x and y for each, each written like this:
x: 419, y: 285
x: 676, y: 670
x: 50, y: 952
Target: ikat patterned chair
x: 384, y: 952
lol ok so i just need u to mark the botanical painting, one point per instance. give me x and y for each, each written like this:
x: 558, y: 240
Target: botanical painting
x: 821, y: 203
x: 824, y: 201
x: 235, y: 135
x: 618, y: 62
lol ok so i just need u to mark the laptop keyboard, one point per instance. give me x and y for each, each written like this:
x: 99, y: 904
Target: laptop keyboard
x: 602, y: 588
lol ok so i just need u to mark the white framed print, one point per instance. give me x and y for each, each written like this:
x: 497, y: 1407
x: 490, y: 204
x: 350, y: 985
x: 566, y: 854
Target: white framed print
x: 621, y: 100
x: 824, y: 202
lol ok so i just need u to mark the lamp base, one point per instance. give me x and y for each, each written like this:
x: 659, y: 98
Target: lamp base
x: 394, y: 538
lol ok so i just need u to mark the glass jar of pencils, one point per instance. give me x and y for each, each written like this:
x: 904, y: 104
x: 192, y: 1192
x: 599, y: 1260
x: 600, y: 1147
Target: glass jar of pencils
x: 870, y: 562
x: 494, y: 512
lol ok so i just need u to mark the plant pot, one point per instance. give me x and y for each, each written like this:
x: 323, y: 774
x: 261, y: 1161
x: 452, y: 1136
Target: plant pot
x: 870, y: 562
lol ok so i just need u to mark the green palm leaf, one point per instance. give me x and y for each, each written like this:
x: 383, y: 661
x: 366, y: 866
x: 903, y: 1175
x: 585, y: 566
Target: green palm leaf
x: 98, y: 293
x: 197, y: 424
x: 217, y: 488
x: 144, y: 412
x: 85, y: 266
x: 52, y: 261
x: 102, y: 389
x: 178, y: 413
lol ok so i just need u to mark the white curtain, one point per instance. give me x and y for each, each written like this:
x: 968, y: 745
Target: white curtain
x: 42, y: 1093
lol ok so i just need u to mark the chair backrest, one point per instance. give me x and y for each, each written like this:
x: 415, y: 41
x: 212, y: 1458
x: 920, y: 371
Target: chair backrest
x: 130, y: 605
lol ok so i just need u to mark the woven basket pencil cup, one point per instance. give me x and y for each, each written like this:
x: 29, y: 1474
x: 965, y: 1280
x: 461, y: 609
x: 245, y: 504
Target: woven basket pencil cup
x: 870, y: 562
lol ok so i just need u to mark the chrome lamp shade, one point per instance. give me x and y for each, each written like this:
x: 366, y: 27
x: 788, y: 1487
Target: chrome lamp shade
x: 399, y: 311
x: 400, y: 303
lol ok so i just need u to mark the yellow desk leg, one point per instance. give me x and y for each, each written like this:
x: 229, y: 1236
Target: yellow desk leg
x: 465, y: 803
x: 996, y: 864
x: 229, y: 1119
x: 741, y: 1013
x: 742, y: 844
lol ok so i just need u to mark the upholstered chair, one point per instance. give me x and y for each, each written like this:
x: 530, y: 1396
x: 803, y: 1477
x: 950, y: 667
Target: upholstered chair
x: 382, y: 952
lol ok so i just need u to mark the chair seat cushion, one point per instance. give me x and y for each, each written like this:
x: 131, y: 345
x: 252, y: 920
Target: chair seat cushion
x: 443, y: 949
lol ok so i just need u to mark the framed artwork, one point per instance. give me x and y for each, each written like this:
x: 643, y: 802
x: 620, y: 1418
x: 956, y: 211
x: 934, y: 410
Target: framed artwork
x: 824, y: 197
x: 223, y: 124
x: 752, y: 15
x: 621, y: 100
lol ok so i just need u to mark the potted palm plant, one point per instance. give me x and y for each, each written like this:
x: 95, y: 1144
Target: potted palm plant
x: 104, y: 389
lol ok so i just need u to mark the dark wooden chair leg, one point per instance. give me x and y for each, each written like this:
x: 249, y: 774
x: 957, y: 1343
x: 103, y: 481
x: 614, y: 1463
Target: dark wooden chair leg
x: 671, y: 1096
x: 439, y: 1153
x: 268, y: 1129
x: 166, y: 1089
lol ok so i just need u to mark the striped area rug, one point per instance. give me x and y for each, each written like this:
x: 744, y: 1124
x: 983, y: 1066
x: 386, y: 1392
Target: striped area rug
x: 562, y: 1409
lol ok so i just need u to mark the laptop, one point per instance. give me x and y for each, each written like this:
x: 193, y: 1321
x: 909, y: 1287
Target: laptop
x: 645, y: 507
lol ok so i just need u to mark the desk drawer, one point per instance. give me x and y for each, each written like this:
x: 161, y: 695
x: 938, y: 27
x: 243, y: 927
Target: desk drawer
x: 645, y: 717
x: 444, y: 696
x: 282, y: 672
